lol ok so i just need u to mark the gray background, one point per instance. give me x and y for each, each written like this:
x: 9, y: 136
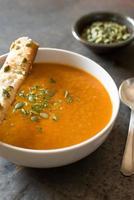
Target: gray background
x: 96, y: 177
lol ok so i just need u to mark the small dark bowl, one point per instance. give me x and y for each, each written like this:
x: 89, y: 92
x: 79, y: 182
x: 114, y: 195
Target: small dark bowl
x: 103, y: 16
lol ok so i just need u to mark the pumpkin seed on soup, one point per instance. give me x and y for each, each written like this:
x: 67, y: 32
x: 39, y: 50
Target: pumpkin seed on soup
x: 31, y: 98
x: 44, y: 115
x: 50, y: 93
x: 39, y: 102
x: 19, y: 105
x: 34, y: 118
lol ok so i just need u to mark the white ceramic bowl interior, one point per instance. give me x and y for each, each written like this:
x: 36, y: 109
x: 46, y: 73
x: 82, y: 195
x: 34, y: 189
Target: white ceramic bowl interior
x: 64, y: 156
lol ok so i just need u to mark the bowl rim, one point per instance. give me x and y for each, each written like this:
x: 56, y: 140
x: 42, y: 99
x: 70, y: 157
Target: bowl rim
x: 129, y: 19
x: 83, y: 143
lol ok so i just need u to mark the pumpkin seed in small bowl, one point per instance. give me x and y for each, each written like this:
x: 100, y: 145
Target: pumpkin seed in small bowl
x: 104, y: 31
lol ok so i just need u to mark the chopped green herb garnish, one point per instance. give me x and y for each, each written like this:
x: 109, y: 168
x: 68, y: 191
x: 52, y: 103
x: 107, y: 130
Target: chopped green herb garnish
x: 7, y: 68
x: 34, y: 112
x: 35, y: 87
x: 17, y: 47
x: 18, y: 72
x: 9, y: 88
x: 42, y: 92
x: 45, y: 103
x: 6, y: 93
x: 12, y: 45
x: 51, y: 80
x: 47, y: 98
x: 39, y: 129
x: 57, y: 104
x: 22, y: 94
x: 55, y: 117
x: 39, y: 102
x: 29, y: 44
x: 24, y: 112
x: 66, y: 93
x: 37, y: 107
x: 68, y: 97
x: 24, y: 60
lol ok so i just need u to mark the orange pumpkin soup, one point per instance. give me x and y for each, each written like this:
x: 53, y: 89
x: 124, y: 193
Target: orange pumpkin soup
x: 56, y: 107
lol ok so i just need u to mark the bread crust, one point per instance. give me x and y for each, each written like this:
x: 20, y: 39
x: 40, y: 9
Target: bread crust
x: 14, y: 71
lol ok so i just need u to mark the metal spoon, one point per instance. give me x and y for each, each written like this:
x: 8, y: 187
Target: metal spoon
x: 126, y: 92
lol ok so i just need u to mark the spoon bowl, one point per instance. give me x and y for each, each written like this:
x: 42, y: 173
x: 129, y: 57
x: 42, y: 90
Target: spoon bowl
x: 126, y: 92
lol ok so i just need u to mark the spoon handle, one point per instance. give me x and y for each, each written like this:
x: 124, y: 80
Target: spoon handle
x: 127, y: 167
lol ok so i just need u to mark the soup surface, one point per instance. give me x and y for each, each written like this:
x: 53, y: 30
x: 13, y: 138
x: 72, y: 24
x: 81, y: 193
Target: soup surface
x: 57, y: 106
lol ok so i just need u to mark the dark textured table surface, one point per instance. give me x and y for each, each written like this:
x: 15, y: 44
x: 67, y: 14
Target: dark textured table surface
x: 98, y: 176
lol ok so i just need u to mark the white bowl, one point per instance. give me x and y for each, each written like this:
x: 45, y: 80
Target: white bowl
x: 64, y: 156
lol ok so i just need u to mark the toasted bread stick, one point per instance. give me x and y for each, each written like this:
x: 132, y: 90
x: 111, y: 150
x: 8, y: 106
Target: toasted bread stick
x: 14, y: 71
